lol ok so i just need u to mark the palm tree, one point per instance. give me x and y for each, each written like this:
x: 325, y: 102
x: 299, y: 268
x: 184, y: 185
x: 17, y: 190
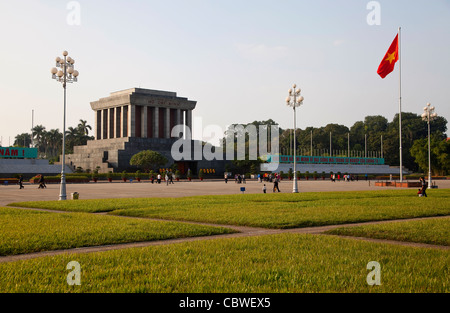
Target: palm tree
x: 84, y: 128
x: 23, y: 140
x: 72, y: 137
x: 54, y: 141
x: 38, y: 133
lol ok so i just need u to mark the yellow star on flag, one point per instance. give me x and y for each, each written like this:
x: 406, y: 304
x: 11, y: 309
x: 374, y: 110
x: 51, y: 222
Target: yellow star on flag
x: 391, y: 57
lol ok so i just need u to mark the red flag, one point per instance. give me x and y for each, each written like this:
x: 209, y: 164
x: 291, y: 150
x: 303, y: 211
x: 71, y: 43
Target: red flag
x: 389, y: 60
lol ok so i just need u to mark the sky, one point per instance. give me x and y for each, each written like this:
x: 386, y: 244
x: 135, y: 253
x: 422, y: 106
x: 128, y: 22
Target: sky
x: 236, y: 58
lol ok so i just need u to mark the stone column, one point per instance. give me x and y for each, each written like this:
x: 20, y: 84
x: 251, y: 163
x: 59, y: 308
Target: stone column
x: 150, y: 122
x: 98, y: 124
x: 156, y: 122
x: 167, y: 123
x: 131, y: 121
x: 179, y: 118
x: 124, y: 123
x: 189, y: 119
x: 110, y: 123
x: 104, y: 123
x: 117, y: 119
x: 144, y: 121
x: 183, y: 121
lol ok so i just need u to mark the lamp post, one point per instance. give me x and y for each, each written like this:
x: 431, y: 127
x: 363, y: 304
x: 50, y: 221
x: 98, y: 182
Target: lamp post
x: 66, y: 74
x: 428, y: 116
x: 294, y: 100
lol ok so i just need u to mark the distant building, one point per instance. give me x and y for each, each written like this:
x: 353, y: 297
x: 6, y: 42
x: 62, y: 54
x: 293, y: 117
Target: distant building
x: 131, y: 121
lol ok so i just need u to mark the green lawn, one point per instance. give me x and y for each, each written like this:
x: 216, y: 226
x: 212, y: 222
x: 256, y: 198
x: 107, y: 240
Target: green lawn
x: 26, y: 231
x: 271, y: 210
x: 269, y: 264
x: 430, y: 231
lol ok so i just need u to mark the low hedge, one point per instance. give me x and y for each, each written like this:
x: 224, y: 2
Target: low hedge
x: 57, y: 179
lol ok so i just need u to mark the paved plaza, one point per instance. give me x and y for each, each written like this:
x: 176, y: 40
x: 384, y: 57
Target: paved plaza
x: 144, y: 189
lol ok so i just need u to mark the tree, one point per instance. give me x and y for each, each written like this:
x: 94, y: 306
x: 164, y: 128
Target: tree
x: 376, y: 123
x: 440, y: 154
x: 77, y: 136
x: 413, y: 128
x: 53, y: 143
x: 148, y: 160
x: 49, y: 143
x: 72, y: 138
x: 23, y: 140
x: 84, y: 128
x: 245, y: 166
x: 38, y: 133
x: 239, y: 133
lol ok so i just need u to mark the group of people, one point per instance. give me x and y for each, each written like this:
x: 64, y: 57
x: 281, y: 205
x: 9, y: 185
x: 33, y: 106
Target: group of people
x: 41, y: 182
x: 239, y: 179
x: 269, y: 177
x: 275, y: 178
x: 168, y: 178
x: 346, y: 177
x: 275, y: 186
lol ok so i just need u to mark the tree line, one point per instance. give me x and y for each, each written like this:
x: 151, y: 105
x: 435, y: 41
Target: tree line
x: 49, y: 142
x: 375, y: 134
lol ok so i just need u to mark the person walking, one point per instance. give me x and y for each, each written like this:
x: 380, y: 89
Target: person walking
x: 21, y: 182
x: 42, y: 182
x: 275, y: 185
x: 158, y: 178
x: 424, y: 186
x: 226, y: 178
x: 264, y: 188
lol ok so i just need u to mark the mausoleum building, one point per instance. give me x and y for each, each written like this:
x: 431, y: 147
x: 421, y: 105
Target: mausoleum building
x: 133, y: 120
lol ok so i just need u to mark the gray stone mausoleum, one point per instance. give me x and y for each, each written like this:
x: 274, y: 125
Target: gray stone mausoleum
x: 131, y: 121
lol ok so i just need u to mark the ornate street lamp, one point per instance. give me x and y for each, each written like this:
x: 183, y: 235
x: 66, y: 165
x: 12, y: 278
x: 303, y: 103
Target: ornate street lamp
x: 428, y: 116
x: 66, y: 74
x: 294, y: 100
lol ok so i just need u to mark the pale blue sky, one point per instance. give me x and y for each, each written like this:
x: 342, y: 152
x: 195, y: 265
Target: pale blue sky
x: 237, y: 59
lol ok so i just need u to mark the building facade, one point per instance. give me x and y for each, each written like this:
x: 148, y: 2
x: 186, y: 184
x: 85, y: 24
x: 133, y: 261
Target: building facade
x: 133, y: 120
x: 141, y: 113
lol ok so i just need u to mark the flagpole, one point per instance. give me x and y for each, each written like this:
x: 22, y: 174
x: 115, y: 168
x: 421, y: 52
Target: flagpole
x: 400, y: 102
